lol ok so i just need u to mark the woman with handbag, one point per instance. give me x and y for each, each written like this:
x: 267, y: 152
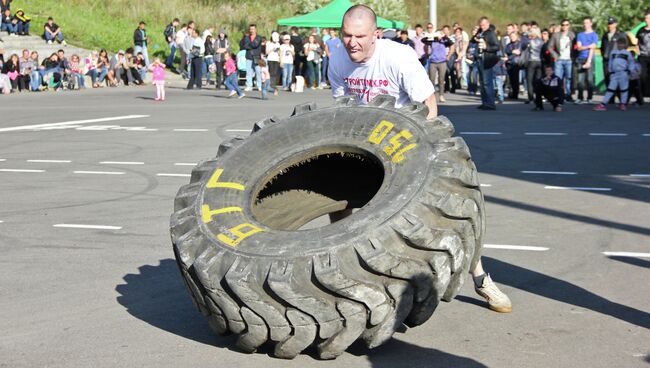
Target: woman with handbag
x: 534, y: 65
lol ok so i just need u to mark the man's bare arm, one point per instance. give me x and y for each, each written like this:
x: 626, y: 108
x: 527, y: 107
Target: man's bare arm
x: 432, y: 105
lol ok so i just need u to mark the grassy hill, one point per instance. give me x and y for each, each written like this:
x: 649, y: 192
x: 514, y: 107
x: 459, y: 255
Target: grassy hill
x: 110, y: 24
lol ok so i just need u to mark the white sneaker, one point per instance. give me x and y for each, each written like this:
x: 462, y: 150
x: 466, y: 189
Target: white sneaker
x: 590, y: 102
x: 578, y: 102
x: 497, y: 300
x: 248, y: 89
x: 49, y: 42
x: 232, y: 93
x: 64, y: 43
x: 242, y: 96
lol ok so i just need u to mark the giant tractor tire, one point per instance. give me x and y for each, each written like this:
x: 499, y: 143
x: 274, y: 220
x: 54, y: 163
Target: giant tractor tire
x: 249, y: 237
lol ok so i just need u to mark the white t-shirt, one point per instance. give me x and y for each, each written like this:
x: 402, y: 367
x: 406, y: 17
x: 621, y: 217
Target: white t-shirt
x: 272, y: 51
x: 393, y: 69
x: 286, y: 53
x: 565, y: 47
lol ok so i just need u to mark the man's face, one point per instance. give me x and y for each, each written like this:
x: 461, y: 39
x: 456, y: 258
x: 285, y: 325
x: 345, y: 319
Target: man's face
x: 445, y: 30
x: 418, y: 30
x: 484, y: 25
x: 359, y: 38
x: 252, y: 30
x: 332, y: 33
x: 548, y: 72
x: 647, y: 19
x: 565, y: 26
x: 524, y: 28
x: 430, y: 28
x: 60, y: 53
x: 404, y: 36
x: 25, y: 54
x: 612, y: 27
x: 141, y: 26
x: 587, y: 23
x: 509, y: 29
x: 545, y: 36
x: 175, y: 23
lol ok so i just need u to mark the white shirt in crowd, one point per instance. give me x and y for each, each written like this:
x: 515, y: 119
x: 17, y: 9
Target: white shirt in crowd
x: 565, y: 47
x: 272, y: 51
x: 393, y: 69
x: 286, y: 53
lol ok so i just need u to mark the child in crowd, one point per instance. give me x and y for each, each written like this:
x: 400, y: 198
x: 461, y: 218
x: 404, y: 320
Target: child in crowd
x: 76, y: 71
x: 5, y: 84
x: 635, y: 80
x: 265, y: 76
x: 619, y: 66
x: 158, y: 70
x: 231, y: 76
x: 550, y: 86
x: 500, y: 73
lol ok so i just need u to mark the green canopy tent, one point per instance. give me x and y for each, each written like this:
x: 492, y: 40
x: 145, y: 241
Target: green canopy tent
x: 330, y: 16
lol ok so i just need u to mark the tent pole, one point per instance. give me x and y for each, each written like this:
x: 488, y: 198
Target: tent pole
x: 433, y: 10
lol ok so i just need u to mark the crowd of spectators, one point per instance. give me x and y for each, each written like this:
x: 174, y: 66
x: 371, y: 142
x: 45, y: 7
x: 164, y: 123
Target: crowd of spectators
x: 524, y: 60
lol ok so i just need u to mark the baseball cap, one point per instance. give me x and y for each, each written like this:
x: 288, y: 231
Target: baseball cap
x: 611, y: 20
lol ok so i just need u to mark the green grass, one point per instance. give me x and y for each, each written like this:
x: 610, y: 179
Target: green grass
x: 97, y: 24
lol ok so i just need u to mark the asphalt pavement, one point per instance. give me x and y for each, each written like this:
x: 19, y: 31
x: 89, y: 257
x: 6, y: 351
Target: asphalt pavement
x: 87, y: 277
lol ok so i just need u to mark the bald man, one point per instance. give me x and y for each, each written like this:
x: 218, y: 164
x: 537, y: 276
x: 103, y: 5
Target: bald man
x: 368, y: 66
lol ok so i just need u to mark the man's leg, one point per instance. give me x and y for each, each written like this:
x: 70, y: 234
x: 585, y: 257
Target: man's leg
x: 249, y: 74
x: 485, y: 287
x: 624, y: 85
x: 145, y: 53
x: 590, y: 82
x: 258, y: 77
x: 59, y: 37
x: 645, y: 75
x: 488, y: 80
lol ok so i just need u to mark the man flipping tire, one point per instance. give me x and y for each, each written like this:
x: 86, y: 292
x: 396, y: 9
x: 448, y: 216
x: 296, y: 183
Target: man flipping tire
x: 367, y: 67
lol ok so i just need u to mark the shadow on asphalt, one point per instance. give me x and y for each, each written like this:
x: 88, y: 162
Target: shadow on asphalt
x: 157, y: 296
x: 632, y: 260
x: 568, y: 216
x: 562, y: 291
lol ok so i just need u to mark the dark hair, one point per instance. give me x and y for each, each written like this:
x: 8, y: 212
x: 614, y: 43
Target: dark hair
x: 565, y: 20
x: 533, y: 23
x: 176, y: 20
x: 548, y: 66
x: 48, y: 18
x: 418, y: 25
x: 252, y: 25
x: 458, y: 29
x: 483, y: 18
x: 446, y: 26
x: 404, y: 33
x: 60, y: 50
x: 261, y: 62
x: 525, y: 24
x: 590, y: 19
x: 294, y: 29
x: 545, y: 30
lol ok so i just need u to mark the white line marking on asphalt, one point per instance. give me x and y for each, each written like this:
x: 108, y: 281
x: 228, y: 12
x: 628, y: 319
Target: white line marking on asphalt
x: 549, y: 172
x: 646, y: 135
x: 515, y: 247
x: 176, y: 175
x: 627, y: 254
x: 480, y: 133
x: 22, y: 170
x: 1, y: 221
x: 121, y: 163
x: 593, y: 189
x: 82, y: 226
x: 238, y: 130
x: 486, y: 185
x: 640, y: 175
x: 185, y: 164
x: 190, y: 130
x: 543, y: 133
x: 100, y: 172
x: 608, y: 134
x: 37, y: 126
x: 51, y: 161
x: 3, y: 159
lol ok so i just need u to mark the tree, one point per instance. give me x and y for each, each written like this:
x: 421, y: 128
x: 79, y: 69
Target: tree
x: 628, y: 13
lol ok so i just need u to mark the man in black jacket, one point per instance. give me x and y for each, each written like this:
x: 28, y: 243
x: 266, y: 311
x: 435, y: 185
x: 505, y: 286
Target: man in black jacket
x: 299, y: 59
x: 608, y: 43
x: 140, y: 41
x: 488, y: 45
x: 170, y: 38
x: 252, y: 43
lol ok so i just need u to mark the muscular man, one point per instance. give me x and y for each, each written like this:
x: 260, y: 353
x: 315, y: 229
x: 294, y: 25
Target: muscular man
x: 363, y: 58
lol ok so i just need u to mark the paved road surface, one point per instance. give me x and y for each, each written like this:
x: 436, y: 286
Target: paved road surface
x: 109, y: 294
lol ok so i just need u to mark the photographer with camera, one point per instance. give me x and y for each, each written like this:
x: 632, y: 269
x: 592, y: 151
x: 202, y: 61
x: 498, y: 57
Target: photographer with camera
x: 488, y: 46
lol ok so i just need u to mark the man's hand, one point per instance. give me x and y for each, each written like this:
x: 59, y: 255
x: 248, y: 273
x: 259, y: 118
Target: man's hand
x: 432, y: 105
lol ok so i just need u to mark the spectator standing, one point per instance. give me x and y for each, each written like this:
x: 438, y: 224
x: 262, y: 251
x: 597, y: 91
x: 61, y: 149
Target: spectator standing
x: 643, y: 35
x: 457, y: 54
x: 619, y: 64
x: 404, y: 39
x: 265, y: 76
x: 487, y: 45
x: 313, y: 52
x: 560, y: 47
x: 170, y: 37
x: 438, y: 62
x: 287, y: 55
x: 196, y: 65
x: 188, y: 42
x: 273, y: 59
x: 608, y: 44
x: 23, y: 22
x: 419, y: 45
x: 181, y: 35
x: 252, y: 43
x: 140, y: 41
x: 208, y: 59
x: 325, y: 59
x: 500, y: 74
x: 513, y: 53
x: 534, y: 68
x: 635, y: 81
x: 331, y: 44
x: 231, y: 76
x: 586, y: 44
x: 550, y: 87
x: 157, y: 68
x: 221, y: 49
x: 299, y: 62
x: 53, y: 32
x: 545, y: 54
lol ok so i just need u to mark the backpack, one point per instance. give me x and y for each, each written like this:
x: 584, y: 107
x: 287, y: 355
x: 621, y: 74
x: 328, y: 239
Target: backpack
x: 168, y: 32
